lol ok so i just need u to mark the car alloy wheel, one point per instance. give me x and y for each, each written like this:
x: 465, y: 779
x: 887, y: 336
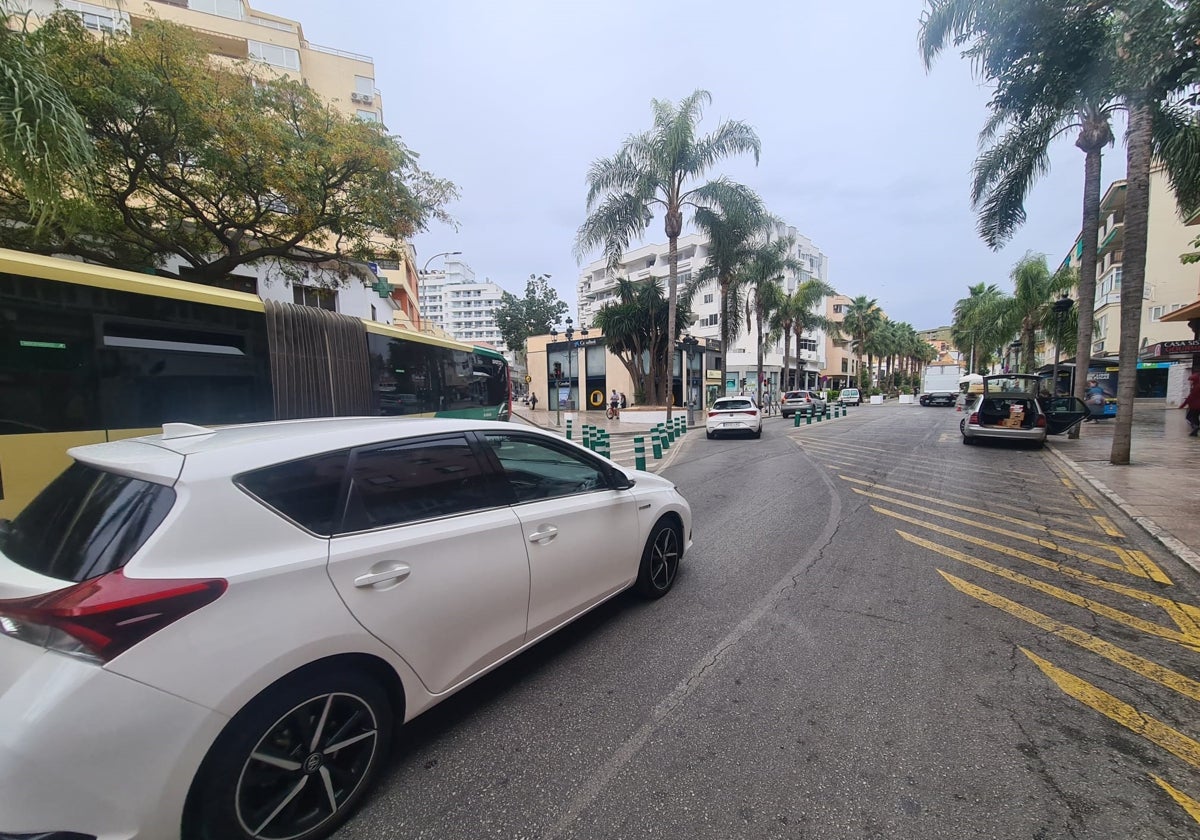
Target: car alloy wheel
x: 306, y: 767
x: 660, y: 561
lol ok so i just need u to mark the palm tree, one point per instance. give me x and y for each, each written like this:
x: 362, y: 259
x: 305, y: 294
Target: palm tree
x: 656, y: 169
x: 42, y: 136
x: 862, y: 317
x: 732, y: 232
x: 797, y: 314
x: 1031, y: 307
x: 635, y: 331
x: 1044, y: 57
x: 977, y: 323
x: 763, y: 279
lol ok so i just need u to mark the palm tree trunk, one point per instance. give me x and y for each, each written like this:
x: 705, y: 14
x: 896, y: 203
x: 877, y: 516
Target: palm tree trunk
x: 758, y: 325
x: 724, y: 326
x: 1087, y: 271
x: 787, y: 352
x: 1133, y: 271
x: 672, y: 297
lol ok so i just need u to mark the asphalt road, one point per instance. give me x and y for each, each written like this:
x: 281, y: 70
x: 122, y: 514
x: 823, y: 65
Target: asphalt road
x: 879, y: 633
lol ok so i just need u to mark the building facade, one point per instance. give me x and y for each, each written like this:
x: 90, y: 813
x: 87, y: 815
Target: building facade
x: 597, y: 287
x: 841, y: 363
x: 464, y: 307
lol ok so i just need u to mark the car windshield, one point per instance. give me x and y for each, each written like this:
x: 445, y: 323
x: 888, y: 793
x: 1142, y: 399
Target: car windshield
x: 1025, y: 385
x: 732, y: 405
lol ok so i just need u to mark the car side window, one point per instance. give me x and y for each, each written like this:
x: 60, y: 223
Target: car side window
x: 305, y: 491
x: 414, y: 480
x: 537, y: 470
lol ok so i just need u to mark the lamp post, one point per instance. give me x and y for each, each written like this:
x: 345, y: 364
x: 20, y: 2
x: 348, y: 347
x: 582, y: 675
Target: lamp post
x: 435, y: 256
x: 1061, y: 307
x: 569, y: 332
x: 688, y: 345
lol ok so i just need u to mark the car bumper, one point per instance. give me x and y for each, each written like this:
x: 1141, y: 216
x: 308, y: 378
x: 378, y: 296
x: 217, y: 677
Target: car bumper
x: 1001, y: 433
x: 87, y: 751
x: 732, y: 426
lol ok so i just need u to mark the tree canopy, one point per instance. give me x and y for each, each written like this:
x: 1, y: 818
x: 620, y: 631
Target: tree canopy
x: 212, y: 163
x: 534, y: 314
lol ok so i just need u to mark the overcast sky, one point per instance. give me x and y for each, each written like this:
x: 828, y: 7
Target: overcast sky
x: 862, y: 150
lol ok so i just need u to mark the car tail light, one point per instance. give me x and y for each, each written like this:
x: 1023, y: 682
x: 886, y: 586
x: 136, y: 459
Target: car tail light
x: 713, y: 413
x: 752, y: 412
x: 101, y: 618
x: 974, y: 418
x: 1041, y: 421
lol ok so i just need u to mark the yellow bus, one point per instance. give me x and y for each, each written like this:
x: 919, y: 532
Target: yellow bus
x: 90, y: 354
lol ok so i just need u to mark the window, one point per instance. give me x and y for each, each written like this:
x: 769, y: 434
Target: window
x: 305, y: 491
x: 845, y: 366
x: 1156, y: 313
x: 224, y: 8
x: 368, y: 116
x: 276, y: 56
x: 807, y: 344
x: 86, y: 523
x: 364, y: 86
x: 316, y: 297
x: 407, y: 482
x: 837, y: 309
x: 96, y: 18
x: 536, y: 469
x: 708, y: 298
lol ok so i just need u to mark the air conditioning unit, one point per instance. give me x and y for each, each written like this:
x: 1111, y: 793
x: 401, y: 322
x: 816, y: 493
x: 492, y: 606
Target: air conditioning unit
x: 364, y: 98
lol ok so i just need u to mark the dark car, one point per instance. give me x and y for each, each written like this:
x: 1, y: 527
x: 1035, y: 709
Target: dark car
x: 946, y: 398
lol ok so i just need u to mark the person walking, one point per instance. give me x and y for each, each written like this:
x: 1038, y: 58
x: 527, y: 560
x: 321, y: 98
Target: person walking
x: 532, y: 401
x: 1192, y: 403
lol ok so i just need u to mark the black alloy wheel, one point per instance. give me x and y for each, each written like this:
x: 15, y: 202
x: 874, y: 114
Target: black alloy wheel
x: 294, y: 762
x: 660, y: 561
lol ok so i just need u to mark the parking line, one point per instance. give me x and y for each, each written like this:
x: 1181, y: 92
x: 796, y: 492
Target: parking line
x: 1139, y: 665
x: 1129, y: 564
x: 967, y: 508
x: 1083, y: 501
x: 1188, y: 640
x: 1118, y: 710
x: 1186, y: 802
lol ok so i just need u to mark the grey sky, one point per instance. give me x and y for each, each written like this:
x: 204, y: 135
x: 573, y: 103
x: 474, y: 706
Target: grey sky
x: 862, y: 150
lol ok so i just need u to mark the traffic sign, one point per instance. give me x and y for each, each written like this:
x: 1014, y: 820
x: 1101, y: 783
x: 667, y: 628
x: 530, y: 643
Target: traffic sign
x: 528, y: 379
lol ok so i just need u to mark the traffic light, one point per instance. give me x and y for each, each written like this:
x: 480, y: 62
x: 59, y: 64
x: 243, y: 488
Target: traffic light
x: 558, y: 370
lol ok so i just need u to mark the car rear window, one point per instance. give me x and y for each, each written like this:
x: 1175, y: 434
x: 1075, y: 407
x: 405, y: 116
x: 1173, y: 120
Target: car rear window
x: 86, y: 523
x: 732, y: 405
x: 793, y: 395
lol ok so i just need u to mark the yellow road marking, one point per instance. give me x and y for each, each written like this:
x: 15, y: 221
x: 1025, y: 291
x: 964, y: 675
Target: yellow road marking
x: 1182, y: 637
x: 1185, y: 616
x: 948, y: 437
x: 1131, y: 661
x: 1066, y: 482
x: 1084, y: 501
x: 846, y: 447
x: 1012, y: 520
x: 1129, y: 564
x: 1118, y: 710
x: 1186, y: 802
x: 1107, y: 526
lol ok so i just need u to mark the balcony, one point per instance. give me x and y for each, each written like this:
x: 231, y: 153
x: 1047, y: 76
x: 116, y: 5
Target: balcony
x: 1112, y: 234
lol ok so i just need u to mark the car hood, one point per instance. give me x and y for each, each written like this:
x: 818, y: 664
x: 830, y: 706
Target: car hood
x: 646, y: 481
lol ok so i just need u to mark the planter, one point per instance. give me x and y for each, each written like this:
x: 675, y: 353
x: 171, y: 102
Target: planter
x: 877, y: 399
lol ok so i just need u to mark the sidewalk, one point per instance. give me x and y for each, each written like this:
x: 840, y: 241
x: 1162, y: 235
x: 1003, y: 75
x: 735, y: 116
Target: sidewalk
x: 620, y: 434
x: 1160, y: 487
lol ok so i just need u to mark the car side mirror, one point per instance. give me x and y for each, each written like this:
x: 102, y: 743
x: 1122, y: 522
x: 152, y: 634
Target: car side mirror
x: 621, y: 481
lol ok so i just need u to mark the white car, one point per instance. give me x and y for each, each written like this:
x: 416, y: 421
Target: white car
x: 733, y: 414
x: 213, y: 633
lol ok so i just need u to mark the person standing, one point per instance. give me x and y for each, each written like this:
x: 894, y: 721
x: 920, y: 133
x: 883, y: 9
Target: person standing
x: 532, y: 401
x: 1192, y: 403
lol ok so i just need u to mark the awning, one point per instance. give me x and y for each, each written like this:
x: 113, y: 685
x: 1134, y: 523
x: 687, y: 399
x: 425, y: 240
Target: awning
x: 1192, y: 310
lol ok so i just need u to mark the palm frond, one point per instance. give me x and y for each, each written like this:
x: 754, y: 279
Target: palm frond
x: 944, y: 23
x: 612, y: 226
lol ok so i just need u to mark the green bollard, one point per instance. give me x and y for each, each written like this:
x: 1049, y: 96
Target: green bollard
x: 808, y: 419
x: 656, y: 444
x: 587, y: 436
x: 682, y: 426
x: 820, y: 416
x: 671, y: 427
x: 569, y: 422
x: 796, y: 420
x: 664, y: 437
x: 639, y: 453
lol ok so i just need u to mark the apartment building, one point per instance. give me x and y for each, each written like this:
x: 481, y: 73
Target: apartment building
x: 841, y: 363
x: 464, y: 307
x: 598, y: 283
x: 234, y: 31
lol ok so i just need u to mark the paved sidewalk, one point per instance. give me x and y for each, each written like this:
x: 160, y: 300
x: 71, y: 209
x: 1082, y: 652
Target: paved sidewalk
x: 620, y: 434
x: 1160, y: 487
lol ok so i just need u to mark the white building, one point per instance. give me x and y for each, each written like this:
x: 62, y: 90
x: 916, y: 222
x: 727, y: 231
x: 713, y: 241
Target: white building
x: 597, y: 287
x: 461, y: 305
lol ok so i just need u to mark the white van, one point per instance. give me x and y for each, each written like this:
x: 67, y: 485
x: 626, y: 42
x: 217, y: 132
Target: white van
x: 850, y: 396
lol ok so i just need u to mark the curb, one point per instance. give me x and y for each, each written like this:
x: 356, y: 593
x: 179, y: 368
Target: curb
x: 1160, y: 534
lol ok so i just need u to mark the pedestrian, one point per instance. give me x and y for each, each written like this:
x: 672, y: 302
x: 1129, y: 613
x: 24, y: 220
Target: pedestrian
x: 1095, y: 400
x: 1192, y: 403
x: 624, y: 401
x: 532, y: 401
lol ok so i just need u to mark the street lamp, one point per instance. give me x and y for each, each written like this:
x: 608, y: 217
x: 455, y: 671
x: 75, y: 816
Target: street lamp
x: 1062, y: 306
x: 435, y: 256
x: 688, y: 345
x: 569, y: 332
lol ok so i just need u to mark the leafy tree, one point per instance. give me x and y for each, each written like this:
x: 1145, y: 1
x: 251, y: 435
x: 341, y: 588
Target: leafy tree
x: 534, y: 314
x: 862, y: 317
x: 656, y: 169
x: 732, y: 232
x: 1031, y: 307
x: 978, y: 327
x: 213, y: 165
x: 42, y: 136
x: 636, y: 331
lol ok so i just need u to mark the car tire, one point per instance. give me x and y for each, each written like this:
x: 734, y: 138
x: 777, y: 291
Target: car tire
x: 709, y: 435
x: 758, y: 433
x: 236, y: 796
x: 660, y: 560
x: 968, y: 441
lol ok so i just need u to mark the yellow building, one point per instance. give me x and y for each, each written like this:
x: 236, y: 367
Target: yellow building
x: 271, y: 44
x: 841, y: 364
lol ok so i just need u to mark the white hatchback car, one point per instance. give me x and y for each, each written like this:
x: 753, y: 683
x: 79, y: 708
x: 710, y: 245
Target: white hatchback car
x: 733, y: 414
x: 213, y: 633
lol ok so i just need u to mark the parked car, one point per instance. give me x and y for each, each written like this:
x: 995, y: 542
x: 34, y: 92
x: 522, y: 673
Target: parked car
x: 1009, y: 409
x: 733, y: 414
x: 946, y: 398
x: 850, y: 396
x: 802, y: 402
x: 215, y: 631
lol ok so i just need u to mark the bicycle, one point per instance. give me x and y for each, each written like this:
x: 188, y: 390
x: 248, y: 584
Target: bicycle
x: 612, y: 413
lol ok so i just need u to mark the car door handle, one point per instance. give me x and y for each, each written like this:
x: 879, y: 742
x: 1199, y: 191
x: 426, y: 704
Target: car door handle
x: 547, y: 533
x: 395, y: 573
